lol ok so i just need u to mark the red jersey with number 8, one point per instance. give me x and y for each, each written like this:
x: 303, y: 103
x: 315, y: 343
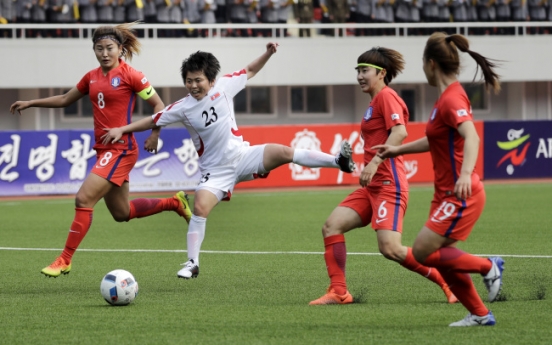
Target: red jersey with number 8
x: 113, y: 97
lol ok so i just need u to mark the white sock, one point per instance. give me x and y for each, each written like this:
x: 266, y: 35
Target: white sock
x: 314, y: 159
x: 196, y: 234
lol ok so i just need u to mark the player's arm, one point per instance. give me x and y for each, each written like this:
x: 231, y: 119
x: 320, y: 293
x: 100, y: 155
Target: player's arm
x: 398, y: 134
x: 256, y: 65
x: 59, y: 101
x: 462, y: 189
x: 115, y: 134
x: 151, y: 142
x: 390, y: 151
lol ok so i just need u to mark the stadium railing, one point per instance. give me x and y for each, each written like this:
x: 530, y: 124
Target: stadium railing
x: 215, y: 31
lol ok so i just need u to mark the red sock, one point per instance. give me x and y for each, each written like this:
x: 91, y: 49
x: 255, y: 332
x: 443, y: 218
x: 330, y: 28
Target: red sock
x: 336, y: 256
x: 146, y: 207
x: 458, y: 261
x: 79, y: 228
x: 462, y: 286
x: 428, y: 272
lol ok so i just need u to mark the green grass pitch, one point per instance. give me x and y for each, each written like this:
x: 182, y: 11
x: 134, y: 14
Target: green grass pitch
x: 262, y: 264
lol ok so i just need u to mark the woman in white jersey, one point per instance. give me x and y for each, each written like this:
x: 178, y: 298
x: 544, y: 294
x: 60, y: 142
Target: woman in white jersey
x: 225, y: 159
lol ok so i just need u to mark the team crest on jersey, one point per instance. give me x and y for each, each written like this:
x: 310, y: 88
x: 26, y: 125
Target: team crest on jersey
x: 144, y: 80
x: 115, y: 81
x: 433, y: 114
x: 394, y: 117
x: 368, y: 114
x: 215, y: 96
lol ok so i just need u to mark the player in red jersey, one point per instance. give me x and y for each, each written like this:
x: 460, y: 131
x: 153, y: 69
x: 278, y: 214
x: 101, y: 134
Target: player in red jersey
x: 383, y: 198
x: 112, y: 89
x: 459, y: 196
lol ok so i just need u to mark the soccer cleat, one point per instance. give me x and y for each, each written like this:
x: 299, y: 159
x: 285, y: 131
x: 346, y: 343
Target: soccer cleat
x: 190, y: 270
x: 332, y: 298
x: 493, y: 279
x: 57, y: 268
x: 474, y: 320
x: 184, y: 209
x: 345, y: 158
x: 450, y: 296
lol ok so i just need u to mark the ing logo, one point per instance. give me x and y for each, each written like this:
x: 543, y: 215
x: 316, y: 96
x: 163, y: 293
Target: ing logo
x: 516, y: 153
x: 305, y: 140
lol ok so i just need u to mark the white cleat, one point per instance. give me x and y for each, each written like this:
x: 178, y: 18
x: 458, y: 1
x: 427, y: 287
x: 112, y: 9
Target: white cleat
x: 190, y: 270
x: 474, y: 320
x: 493, y: 279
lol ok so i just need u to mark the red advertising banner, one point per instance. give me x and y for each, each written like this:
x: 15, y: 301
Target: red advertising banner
x: 326, y: 138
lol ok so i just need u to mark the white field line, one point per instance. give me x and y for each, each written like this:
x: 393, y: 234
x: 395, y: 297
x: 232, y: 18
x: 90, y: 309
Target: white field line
x: 239, y: 252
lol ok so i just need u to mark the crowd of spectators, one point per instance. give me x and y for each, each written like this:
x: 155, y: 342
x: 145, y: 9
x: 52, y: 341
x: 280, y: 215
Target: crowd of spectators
x: 269, y: 12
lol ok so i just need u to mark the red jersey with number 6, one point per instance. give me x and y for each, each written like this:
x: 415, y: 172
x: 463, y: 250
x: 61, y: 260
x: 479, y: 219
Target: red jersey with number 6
x: 446, y: 145
x: 113, y: 97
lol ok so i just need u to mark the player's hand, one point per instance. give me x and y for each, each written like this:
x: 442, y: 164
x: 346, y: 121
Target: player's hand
x: 462, y: 188
x: 272, y: 47
x: 18, y: 106
x: 386, y: 151
x: 151, y: 143
x: 112, y: 135
x: 368, y: 173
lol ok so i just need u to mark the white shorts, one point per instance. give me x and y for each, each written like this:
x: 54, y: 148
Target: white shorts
x: 221, y: 180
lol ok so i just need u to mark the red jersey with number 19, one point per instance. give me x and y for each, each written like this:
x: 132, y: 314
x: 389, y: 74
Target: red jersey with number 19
x: 446, y: 145
x: 113, y: 97
x: 386, y: 110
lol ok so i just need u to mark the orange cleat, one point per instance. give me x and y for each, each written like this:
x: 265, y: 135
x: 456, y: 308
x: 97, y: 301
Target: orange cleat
x: 184, y: 209
x: 57, y: 268
x: 332, y: 298
x: 450, y: 296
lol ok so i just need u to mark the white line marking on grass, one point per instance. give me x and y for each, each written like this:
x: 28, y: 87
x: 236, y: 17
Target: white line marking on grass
x: 245, y: 252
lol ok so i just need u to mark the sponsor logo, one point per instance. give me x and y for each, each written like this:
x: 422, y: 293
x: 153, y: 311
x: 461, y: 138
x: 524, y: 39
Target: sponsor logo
x: 115, y: 81
x: 144, y: 80
x: 433, y: 113
x: 368, y: 114
x: 461, y: 112
x: 215, y: 96
x: 92, y: 81
x: 516, y: 153
x: 411, y: 168
x: 149, y: 91
x: 394, y: 117
x: 380, y: 220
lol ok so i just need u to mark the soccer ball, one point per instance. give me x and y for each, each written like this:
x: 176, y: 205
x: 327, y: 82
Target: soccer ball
x: 119, y: 287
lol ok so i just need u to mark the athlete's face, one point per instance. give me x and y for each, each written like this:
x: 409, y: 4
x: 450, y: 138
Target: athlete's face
x: 429, y: 71
x: 369, y: 80
x: 107, y: 52
x: 197, y: 84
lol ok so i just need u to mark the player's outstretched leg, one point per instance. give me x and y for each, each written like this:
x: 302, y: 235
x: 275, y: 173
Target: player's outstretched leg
x: 57, y: 268
x: 184, y: 209
x: 493, y: 279
x: 190, y: 270
x: 344, y: 158
x: 474, y: 320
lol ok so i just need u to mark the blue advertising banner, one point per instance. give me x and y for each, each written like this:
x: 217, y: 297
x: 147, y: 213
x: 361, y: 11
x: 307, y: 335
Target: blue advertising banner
x: 57, y: 162
x: 518, y: 149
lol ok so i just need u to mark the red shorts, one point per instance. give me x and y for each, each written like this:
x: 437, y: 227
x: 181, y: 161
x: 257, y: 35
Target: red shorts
x: 115, y: 165
x: 384, y: 208
x: 453, y: 218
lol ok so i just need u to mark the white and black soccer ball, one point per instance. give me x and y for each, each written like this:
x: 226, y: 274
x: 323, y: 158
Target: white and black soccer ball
x: 119, y: 287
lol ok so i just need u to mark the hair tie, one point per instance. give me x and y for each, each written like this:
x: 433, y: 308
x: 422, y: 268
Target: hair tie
x: 448, y: 38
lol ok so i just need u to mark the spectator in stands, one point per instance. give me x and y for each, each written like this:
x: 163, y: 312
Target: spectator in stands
x: 23, y: 13
x: 253, y: 12
x: 150, y: 11
x: 87, y: 11
x: 430, y: 14
x: 503, y: 14
x: 379, y: 14
x: 472, y: 13
x: 62, y: 12
x: 537, y: 13
x: 303, y: 11
x: 416, y: 14
x: 269, y: 14
x: 119, y: 12
x: 459, y: 9
x: 284, y: 13
x: 38, y: 16
x: 5, y: 16
x: 444, y: 14
x: 134, y: 12
x: 176, y: 16
x: 239, y: 15
x: 338, y: 11
x: 519, y: 10
x: 192, y: 16
x: 363, y: 15
x: 105, y: 10
x: 162, y: 16
x: 221, y: 13
x: 208, y: 14
x: 486, y: 12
